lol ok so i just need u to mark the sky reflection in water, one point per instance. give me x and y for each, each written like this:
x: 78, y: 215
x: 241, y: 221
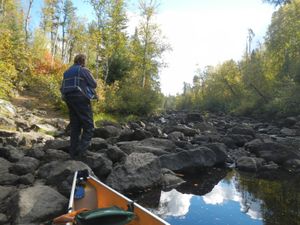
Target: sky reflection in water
x: 224, y: 205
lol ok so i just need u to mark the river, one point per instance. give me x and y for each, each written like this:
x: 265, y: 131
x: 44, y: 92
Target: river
x: 228, y: 198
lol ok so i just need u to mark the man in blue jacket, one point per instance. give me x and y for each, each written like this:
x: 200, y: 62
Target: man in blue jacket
x: 78, y: 88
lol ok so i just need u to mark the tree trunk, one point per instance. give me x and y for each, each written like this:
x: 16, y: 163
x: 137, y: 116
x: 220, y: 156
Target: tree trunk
x: 26, y: 28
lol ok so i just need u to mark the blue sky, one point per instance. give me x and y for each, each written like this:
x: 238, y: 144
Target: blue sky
x: 200, y: 32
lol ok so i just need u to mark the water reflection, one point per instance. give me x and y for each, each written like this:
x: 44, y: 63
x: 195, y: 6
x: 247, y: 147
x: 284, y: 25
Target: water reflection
x: 236, y: 199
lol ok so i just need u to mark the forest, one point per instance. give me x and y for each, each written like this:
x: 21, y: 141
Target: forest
x: 265, y: 82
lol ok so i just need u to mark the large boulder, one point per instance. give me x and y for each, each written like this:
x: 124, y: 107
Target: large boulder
x: 56, y: 172
x: 8, y: 198
x: 99, y: 163
x: 187, y: 131
x: 250, y: 164
x: 194, y: 117
x: 59, y: 144
x: 190, y: 160
x: 140, y: 171
x: 55, y: 155
x: 108, y: 131
x: 40, y: 203
x: 11, y: 153
x: 24, y: 165
x: 272, y: 151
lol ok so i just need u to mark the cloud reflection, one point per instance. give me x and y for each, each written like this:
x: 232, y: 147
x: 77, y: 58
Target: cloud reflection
x: 227, y: 192
x: 174, y: 203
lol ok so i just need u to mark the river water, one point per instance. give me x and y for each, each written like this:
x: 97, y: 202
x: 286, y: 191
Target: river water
x: 231, y: 198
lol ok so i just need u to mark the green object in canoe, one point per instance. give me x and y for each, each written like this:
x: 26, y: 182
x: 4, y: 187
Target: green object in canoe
x: 108, y: 216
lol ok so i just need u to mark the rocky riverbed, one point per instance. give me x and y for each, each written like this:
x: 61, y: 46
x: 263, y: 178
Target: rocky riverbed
x: 36, y: 170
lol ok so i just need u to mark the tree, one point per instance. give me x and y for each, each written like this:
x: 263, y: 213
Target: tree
x: 26, y: 24
x: 67, y: 24
x: 278, y: 2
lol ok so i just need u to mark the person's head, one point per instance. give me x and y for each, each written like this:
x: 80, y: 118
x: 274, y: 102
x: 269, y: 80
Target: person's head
x: 80, y: 59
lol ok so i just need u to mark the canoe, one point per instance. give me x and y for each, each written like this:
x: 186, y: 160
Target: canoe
x: 105, y: 205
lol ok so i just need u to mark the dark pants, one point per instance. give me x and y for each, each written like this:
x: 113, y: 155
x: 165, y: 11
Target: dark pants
x: 81, y: 122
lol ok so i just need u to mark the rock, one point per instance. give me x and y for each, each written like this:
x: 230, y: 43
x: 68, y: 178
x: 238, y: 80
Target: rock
x: 242, y: 130
x: 134, y: 146
x: 272, y: 151
x: 7, y: 178
x: 188, y: 161
x: 176, y: 136
x: 8, y: 197
x: 7, y: 109
x: 288, y: 132
x: 250, y: 164
x: 7, y: 123
x: 115, y: 154
x: 220, y: 151
x: 107, y: 132
x: 59, y: 144
x: 170, y: 179
x: 55, y: 155
x: 11, y: 153
x: 98, y: 144
x: 292, y: 165
x: 155, y: 131
x: 24, y: 165
x: 239, y: 139
x: 100, y: 165
x: 3, y: 218
x: 35, y: 153
x: 44, y: 128
x: 40, y: 203
x: 140, y: 134
x: 140, y: 171
x: 56, y: 172
x: 27, y: 179
x: 289, y: 122
x: 194, y: 117
x: 187, y: 131
x: 4, y: 165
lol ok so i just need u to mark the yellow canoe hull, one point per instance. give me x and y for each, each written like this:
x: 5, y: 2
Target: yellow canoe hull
x: 99, y: 195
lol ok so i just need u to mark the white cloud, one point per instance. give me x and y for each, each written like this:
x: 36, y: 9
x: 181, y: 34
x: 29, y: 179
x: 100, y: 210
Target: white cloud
x: 206, y: 37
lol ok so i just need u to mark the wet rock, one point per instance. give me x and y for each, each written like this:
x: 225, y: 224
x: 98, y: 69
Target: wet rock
x: 250, y: 164
x: 140, y: 171
x: 24, y: 165
x: 40, y: 203
x: 220, y: 151
x: 55, y: 172
x: 190, y: 160
x: 170, y: 179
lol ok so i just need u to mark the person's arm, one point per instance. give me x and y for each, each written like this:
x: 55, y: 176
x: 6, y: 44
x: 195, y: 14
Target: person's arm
x: 88, y: 77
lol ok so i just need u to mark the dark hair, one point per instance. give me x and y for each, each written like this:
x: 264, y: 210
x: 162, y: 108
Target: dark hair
x: 80, y: 59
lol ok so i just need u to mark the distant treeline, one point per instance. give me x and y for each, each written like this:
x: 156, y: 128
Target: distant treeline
x: 126, y: 66
x: 265, y: 82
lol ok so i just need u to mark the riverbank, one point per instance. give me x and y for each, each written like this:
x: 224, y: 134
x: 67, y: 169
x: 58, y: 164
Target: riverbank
x: 36, y: 169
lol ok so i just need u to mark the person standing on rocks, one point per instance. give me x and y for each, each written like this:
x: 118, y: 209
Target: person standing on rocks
x: 77, y: 89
